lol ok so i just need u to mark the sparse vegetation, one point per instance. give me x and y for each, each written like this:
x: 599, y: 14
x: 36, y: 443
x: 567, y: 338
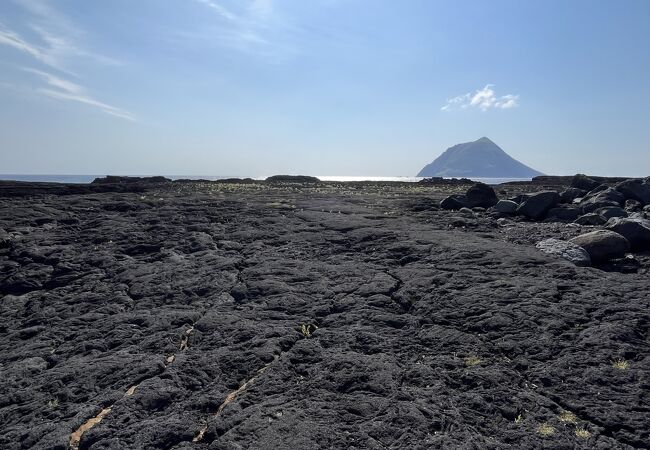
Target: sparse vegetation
x: 620, y: 364
x: 307, y: 329
x: 473, y: 360
x: 519, y: 418
x: 583, y: 433
x: 567, y: 417
x: 546, y: 430
x: 53, y: 403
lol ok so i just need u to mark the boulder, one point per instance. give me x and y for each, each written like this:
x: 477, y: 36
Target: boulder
x: 537, y: 205
x: 602, y: 245
x: 567, y: 250
x: 564, y: 214
x: 601, y: 198
x: 633, y: 205
x: 455, y: 201
x: 590, y: 219
x: 636, y: 231
x: 466, y: 212
x: 608, y: 212
x: 519, y: 199
x: 506, y: 207
x: 480, y: 194
x: 570, y: 194
x: 635, y: 190
x: 583, y: 182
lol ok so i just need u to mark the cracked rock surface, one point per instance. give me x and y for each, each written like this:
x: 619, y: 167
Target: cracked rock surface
x: 227, y: 317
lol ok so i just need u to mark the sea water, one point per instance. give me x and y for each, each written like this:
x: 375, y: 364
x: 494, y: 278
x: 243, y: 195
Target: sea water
x: 89, y: 178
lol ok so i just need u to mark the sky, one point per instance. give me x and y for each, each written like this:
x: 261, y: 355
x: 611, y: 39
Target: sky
x: 321, y: 87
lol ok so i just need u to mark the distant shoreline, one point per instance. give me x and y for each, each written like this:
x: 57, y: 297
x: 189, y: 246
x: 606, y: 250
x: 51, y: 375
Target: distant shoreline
x: 85, y: 179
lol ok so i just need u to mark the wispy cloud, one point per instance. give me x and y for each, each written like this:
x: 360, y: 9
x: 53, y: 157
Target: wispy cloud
x: 62, y: 89
x: 251, y: 26
x: 483, y: 99
x: 219, y: 9
x: 55, y: 48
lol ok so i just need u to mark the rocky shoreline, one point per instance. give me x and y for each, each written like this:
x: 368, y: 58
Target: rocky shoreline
x: 297, y: 313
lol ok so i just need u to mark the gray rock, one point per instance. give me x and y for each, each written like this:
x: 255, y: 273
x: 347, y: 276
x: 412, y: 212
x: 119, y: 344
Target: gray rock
x: 506, y: 207
x: 591, y: 219
x: 608, y: 212
x: 570, y: 194
x: 480, y: 194
x: 466, y: 212
x: 602, y: 245
x: 636, y: 231
x: 635, y: 190
x: 583, y: 182
x: 537, y: 205
x: 633, y: 205
x: 565, y: 214
x: 600, y: 198
x: 567, y: 250
x: 456, y: 201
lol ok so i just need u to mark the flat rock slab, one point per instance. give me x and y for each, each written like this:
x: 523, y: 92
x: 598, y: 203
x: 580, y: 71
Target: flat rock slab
x: 285, y: 316
x: 567, y: 250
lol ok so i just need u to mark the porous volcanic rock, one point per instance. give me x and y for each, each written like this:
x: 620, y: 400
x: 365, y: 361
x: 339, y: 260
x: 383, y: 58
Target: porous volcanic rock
x: 601, y: 197
x: 602, y: 245
x: 567, y: 250
x: 480, y: 194
x: 584, y: 183
x: 538, y: 204
x: 570, y: 194
x: 591, y: 219
x: 455, y: 201
x: 203, y: 316
x: 636, y: 231
x: 608, y: 212
x: 563, y: 214
x: 506, y: 207
x: 635, y: 189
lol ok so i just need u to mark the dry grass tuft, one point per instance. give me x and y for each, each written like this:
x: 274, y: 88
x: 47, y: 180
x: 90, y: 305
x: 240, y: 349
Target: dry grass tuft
x: 583, y: 433
x: 307, y: 329
x: 546, y: 430
x: 567, y: 417
x: 620, y: 364
x: 471, y: 361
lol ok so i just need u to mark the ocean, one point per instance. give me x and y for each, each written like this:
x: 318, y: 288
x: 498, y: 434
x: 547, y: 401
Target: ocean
x: 88, y: 178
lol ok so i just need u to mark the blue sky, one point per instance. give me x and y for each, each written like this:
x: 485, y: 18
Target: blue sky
x: 326, y: 87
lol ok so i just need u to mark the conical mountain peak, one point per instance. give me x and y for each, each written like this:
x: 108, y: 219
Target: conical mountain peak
x: 480, y: 159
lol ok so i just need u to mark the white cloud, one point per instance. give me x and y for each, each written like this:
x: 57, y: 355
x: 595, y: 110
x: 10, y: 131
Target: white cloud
x: 54, y: 48
x: 61, y: 89
x: 108, y: 109
x: 251, y: 26
x: 483, y: 99
x: 220, y: 9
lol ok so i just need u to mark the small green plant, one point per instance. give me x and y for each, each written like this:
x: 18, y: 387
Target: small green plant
x: 546, y: 430
x: 471, y: 361
x: 583, y: 433
x: 53, y: 403
x: 620, y: 364
x: 567, y: 417
x: 519, y: 418
x: 307, y: 329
